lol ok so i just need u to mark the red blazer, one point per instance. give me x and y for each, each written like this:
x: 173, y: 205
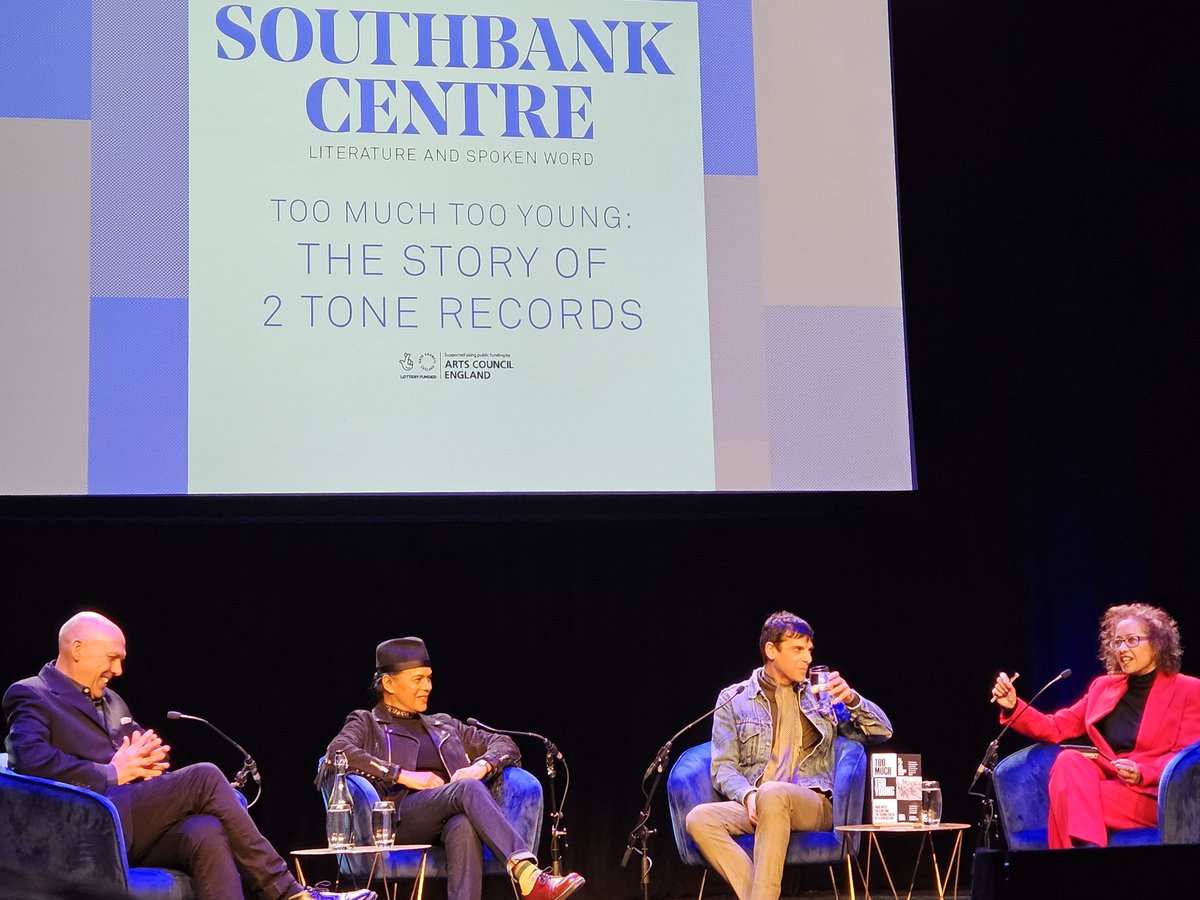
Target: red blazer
x: 1170, y: 722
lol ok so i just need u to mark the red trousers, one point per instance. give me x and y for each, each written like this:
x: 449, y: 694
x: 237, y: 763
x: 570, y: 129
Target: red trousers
x: 1086, y: 802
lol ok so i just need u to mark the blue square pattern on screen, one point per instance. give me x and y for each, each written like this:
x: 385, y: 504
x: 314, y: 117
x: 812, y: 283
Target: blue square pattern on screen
x: 138, y: 385
x: 46, y: 60
x: 730, y: 124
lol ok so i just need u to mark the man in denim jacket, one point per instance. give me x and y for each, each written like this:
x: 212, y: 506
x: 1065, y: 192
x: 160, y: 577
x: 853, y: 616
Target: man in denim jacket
x: 772, y: 757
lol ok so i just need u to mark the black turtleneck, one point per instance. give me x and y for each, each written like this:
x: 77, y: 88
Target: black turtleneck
x: 1120, y: 727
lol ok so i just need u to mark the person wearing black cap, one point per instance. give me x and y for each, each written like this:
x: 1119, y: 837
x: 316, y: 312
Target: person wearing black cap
x: 67, y: 724
x: 434, y: 768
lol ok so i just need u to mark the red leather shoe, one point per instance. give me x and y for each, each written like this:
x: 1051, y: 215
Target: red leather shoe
x: 554, y: 887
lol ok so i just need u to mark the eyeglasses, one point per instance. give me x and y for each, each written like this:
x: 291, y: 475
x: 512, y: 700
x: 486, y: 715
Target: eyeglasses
x: 1127, y: 640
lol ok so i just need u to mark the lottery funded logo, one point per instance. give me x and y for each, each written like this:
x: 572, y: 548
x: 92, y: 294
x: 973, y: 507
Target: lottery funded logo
x: 418, y: 366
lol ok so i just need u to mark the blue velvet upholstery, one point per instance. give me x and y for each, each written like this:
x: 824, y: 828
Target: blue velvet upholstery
x: 1022, y: 781
x: 690, y: 784
x: 1022, y: 791
x: 1179, y: 798
x: 518, y: 793
x: 67, y: 831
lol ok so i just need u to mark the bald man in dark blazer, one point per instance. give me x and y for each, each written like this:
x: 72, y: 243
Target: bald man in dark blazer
x: 66, y: 724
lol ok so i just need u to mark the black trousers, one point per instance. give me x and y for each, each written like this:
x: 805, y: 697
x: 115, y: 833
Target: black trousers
x: 464, y: 815
x: 193, y: 820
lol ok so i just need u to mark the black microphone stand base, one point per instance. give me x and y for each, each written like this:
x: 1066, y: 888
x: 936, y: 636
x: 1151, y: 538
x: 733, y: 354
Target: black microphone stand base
x: 639, y: 839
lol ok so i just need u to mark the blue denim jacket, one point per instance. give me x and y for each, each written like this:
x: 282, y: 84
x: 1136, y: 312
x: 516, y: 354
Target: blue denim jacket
x: 743, y: 731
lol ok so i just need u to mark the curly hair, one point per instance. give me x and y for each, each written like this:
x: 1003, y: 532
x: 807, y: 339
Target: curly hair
x: 1161, y: 629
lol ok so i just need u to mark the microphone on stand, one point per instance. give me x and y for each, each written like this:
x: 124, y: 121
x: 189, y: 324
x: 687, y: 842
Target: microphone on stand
x: 640, y: 832
x: 989, y: 757
x: 475, y: 723
x: 249, y: 766
x: 661, y: 759
x: 557, y: 831
x: 552, y: 751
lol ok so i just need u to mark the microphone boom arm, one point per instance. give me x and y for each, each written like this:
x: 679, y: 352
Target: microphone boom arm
x: 557, y: 830
x: 249, y: 767
x: 639, y: 837
x: 988, y: 764
x: 989, y: 758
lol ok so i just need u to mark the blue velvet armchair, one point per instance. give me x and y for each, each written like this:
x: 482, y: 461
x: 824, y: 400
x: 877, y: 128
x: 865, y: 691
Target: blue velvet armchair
x: 48, y: 828
x: 690, y: 784
x: 518, y: 793
x: 1022, y: 791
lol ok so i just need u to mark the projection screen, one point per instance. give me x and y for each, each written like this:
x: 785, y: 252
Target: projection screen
x: 467, y: 246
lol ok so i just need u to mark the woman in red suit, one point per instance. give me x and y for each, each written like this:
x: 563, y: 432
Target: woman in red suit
x: 1138, y: 716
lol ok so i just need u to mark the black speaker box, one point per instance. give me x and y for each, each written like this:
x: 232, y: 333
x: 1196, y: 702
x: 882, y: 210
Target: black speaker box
x: 1088, y: 873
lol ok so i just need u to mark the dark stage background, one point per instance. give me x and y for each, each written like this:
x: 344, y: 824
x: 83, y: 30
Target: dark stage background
x: 1049, y: 205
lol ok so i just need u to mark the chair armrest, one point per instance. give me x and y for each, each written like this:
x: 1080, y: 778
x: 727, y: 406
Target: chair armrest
x: 689, y: 784
x: 518, y: 793
x: 48, y: 826
x: 849, y: 782
x: 1022, y: 783
x: 363, y: 795
x: 1179, y: 798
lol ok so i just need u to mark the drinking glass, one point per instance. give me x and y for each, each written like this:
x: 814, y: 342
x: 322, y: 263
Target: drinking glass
x: 819, y: 675
x: 931, y: 803
x: 383, y: 823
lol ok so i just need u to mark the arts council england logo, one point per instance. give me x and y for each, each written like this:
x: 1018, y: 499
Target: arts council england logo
x: 426, y: 366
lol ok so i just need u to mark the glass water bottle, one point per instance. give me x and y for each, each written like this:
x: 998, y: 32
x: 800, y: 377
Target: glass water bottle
x: 339, y: 815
